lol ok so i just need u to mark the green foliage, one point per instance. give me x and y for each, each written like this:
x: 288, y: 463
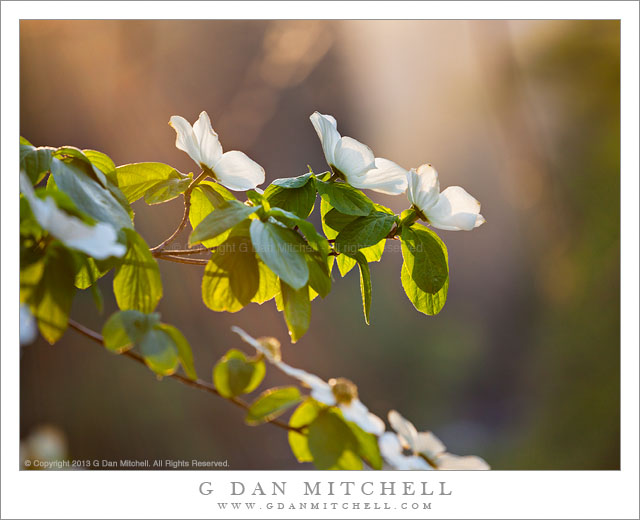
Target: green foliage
x: 166, y: 190
x: 425, y: 258
x: 296, y: 195
x: 332, y: 443
x: 162, y: 346
x: 282, y: 250
x: 304, y: 415
x: 367, y: 446
x: 137, y: 284
x: 364, y: 232
x: 344, y: 198
x: 232, y: 276
x: 206, y: 197
x: 365, y: 284
x: 220, y: 220
x: 50, y: 300
x: 234, y: 374
x: 103, y: 162
x: 35, y: 162
x: 137, y: 179
x: 297, y: 309
x: 88, y: 195
x: 272, y: 403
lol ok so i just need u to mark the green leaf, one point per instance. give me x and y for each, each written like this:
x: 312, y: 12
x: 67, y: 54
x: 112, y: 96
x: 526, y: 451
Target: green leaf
x: 304, y: 415
x: 167, y: 190
x: 367, y: 446
x: 103, y: 162
x: 345, y: 198
x: 293, y: 182
x: 298, y: 201
x: 297, y: 310
x: 35, y: 162
x: 124, y: 329
x: 332, y: 443
x: 430, y: 304
x: 269, y: 285
x: 315, y: 239
x: 319, y: 274
x: 364, y: 232
x: 137, y: 284
x: 185, y: 354
x: 89, y: 271
x: 271, y: 404
x: 25, y: 141
x: 220, y: 220
x: 205, y: 198
x: 75, y: 156
x: 425, y: 258
x: 282, y: 250
x: 159, y: 352
x: 365, y: 284
x: 88, y: 195
x: 50, y: 301
x: 135, y: 179
x: 231, y: 278
x: 235, y: 375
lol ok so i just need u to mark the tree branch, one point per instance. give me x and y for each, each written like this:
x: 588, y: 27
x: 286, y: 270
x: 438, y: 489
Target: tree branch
x: 198, y: 383
x: 185, y: 217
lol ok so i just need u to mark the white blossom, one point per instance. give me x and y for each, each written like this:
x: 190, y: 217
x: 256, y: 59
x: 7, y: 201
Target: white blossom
x: 338, y: 392
x: 430, y: 447
x: 98, y: 241
x: 392, y: 452
x: 232, y: 169
x: 355, y: 161
x: 28, y: 329
x: 452, y: 210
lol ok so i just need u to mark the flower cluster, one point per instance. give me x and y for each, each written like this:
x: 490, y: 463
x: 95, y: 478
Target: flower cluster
x: 350, y: 160
x: 426, y: 450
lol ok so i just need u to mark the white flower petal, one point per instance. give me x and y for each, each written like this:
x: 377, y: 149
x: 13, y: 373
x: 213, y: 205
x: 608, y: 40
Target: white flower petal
x: 323, y: 394
x: 352, y: 157
x: 98, y: 241
x: 391, y: 451
x: 455, y: 210
x: 237, y: 172
x: 429, y: 445
x: 186, y: 138
x: 447, y: 461
x: 424, y: 187
x: 327, y: 130
x: 405, y: 429
x: 358, y: 413
x: 208, y: 142
x: 253, y: 342
x: 28, y: 329
x: 387, y: 177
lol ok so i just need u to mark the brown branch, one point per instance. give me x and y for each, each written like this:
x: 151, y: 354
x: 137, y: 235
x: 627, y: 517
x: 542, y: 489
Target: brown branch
x: 182, y: 260
x: 198, y: 383
x: 185, y: 217
x: 184, y: 252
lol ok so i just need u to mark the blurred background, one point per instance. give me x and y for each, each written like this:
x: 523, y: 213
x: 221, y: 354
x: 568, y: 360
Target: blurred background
x: 521, y: 367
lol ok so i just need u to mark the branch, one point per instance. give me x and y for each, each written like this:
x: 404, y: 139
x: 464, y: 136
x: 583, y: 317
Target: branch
x: 198, y: 383
x: 182, y: 260
x: 185, y: 217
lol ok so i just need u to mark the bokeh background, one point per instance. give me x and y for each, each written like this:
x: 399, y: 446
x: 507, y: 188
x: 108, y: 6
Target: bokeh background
x: 521, y: 367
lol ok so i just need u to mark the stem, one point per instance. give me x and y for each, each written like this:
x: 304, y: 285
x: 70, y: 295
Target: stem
x: 185, y: 217
x: 182, y: 260
x: 184, y: 252
x: 198, y: 383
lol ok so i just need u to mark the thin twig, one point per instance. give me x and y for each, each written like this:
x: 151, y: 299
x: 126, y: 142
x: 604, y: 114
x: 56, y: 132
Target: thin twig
x: 182, y: 260
x: 184, y: 252
x: 198, y: 383
x: 185, y: 217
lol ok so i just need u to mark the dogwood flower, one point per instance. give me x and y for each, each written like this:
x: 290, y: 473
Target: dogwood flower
x: 28, y: 328
x: 355, y: 161
x: 427, y: 445
x: 98, y: 241
x: 392, y: 452
x: 233, y: 169
x: 338, y: 392
x: 452, y: 210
